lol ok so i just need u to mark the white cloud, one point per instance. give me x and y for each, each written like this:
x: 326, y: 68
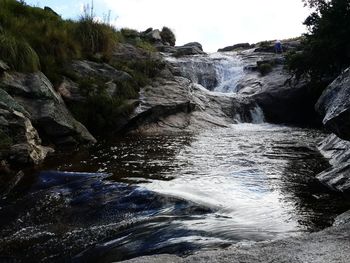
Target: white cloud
x: 214, y: 23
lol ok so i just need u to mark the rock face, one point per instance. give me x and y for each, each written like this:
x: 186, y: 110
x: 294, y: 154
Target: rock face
x: 178, y: 105
x: 338, y: 153
x: 45, y: 109
x: 193, y: 48
x: 334, y: 106
x: 199, y: 70
x: 282, y: 99
x: 19, y: 140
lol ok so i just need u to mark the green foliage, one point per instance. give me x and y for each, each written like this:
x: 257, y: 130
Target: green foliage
x: 264, y: 68
x: 95, y: 37
x: 168, y: 36
x: 102, y: 112
x: 18, y: 54
x: 326, y: 48
x: 5, y: 140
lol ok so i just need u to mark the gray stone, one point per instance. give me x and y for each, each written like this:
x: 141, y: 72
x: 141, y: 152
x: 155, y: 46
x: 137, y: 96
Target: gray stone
x: 329, y: 245
x: 24, y: 147
x: 47, y: 111
x: 154, y: 36
x: 334, y: 106
x: 194, y: 44
x: 337, y: 151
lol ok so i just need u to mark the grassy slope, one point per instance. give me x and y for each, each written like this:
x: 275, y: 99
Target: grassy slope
x: 33, y: 39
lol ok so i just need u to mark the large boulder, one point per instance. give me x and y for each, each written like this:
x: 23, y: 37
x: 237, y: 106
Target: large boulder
x: 19, y: 140
x: 46, y: 109
x: 193, y: 48
x: 334, y: 106
x: 337, y: 151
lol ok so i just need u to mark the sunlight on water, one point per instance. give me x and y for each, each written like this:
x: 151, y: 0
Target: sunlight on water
x: 170, y: 194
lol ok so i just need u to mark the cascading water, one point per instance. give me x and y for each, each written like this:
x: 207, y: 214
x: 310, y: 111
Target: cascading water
x: 229, y: 71
x: 220, y: 73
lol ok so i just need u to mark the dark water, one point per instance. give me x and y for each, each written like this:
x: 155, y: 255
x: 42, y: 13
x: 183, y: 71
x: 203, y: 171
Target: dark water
x: 169, y: 194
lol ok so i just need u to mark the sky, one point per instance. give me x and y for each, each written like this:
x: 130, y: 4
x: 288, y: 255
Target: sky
x: 213, y: 23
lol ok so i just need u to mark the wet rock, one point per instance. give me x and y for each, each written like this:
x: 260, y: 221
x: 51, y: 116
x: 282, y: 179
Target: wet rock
x: 236, y: 47
x: 334, y: 106
x: 45, y: 108
x: 199, y: 70
x: 337, y: 151
x: 282, y: 98
x: 329, y: 245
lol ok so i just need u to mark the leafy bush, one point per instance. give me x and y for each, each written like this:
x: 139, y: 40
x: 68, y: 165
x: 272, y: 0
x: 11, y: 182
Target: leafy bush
x: 168, y: 36
x: 265, y: 68
x: 326, y: 48
x: 101, y: 112
x: 18, y: 54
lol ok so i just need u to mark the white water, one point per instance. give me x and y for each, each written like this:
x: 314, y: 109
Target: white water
x: 229, y: 71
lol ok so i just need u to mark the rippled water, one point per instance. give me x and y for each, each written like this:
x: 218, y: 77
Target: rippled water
x: 169, y: 194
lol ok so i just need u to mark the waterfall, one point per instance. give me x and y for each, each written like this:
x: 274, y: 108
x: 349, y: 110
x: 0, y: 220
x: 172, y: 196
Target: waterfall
x: 229, y: 71
x: 199, y: 69
x: 220, y: 72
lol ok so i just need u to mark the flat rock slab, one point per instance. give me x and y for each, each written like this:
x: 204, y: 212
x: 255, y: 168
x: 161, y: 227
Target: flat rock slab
x: 331, y: 245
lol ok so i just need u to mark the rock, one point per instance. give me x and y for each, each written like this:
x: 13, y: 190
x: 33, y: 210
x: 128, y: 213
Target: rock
x: 45, y: 108
x: 194, y: 44
x: 154, y: 36
x: 166, y: 49
x: 70, y: 91
x: 282, y: 98
x: 193, y: 48
x: 329, y: 245
x: 199, y: 70
x: 236, y: 47
x: 338, y: 152
x: 19, y: 140
x: 84, y: 68
x: 337, y: 178
x: 334, y: 106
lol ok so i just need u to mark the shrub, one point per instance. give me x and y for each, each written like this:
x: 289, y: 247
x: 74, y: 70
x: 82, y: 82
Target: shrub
x: 265, y: 68
x: 18, y: 54
x: 95, y: 37
x: 5, y: 140
x: 168, y: 36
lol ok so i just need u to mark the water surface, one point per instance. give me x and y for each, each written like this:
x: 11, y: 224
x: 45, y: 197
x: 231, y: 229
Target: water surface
x: 169, y: 194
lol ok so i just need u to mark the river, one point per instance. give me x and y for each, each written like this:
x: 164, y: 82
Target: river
x: 142, y: 195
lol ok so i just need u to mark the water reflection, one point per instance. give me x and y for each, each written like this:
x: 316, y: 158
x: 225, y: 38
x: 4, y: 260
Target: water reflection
x: 169, y: 194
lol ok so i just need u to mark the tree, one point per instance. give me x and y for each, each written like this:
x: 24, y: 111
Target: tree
x: 326, y: 47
